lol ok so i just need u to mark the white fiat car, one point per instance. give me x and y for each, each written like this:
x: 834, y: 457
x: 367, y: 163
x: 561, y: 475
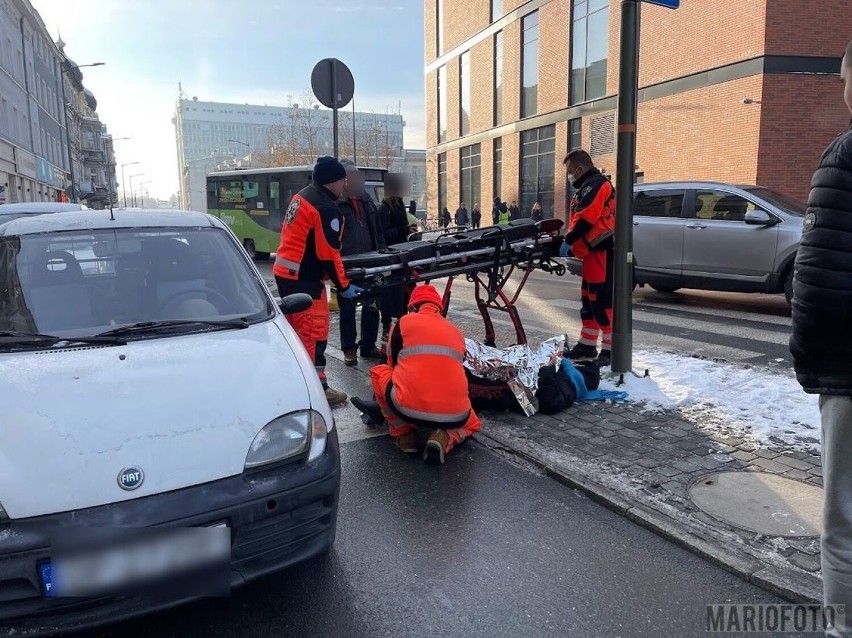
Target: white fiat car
x: 150, y: 392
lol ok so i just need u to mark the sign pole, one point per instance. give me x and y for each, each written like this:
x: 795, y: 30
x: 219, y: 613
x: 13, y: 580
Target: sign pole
x: 334, y: 100
x: 628, y: 90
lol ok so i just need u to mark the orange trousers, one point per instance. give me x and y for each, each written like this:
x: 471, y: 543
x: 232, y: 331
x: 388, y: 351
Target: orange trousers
x: 380, y: 377
x: 312, y: 328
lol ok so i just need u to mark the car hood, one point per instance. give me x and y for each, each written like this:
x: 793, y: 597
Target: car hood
x: 183, y: 409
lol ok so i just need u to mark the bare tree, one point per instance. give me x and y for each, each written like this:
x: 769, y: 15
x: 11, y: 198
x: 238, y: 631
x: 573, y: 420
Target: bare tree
x: 297, y: 138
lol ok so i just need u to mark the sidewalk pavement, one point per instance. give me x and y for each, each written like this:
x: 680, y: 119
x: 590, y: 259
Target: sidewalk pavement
x: 642, y: 466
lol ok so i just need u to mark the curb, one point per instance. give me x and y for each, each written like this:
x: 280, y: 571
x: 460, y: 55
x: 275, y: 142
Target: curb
x: 795, y: 588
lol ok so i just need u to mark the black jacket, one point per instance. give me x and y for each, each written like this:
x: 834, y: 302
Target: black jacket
x: 514, y: 213
x: 822, y: 284
x: 394, y: 222
x: 360, y: 234
x: 462, y: 218
x: 499, y: 207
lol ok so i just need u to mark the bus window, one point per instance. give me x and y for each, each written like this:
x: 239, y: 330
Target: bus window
x: 274, y: 193
x: 231, y: 194
x: 212, y: 195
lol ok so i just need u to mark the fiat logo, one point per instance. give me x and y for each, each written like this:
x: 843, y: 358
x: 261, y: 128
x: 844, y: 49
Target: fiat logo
x: 130, y: 478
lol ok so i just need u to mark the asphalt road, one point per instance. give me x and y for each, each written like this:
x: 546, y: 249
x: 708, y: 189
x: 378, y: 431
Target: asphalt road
x: 479, y: 547
x: 746, y: 328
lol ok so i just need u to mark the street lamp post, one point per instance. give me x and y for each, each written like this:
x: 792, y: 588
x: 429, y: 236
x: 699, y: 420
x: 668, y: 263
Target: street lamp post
x: 66, y: 66
x: 112, y: 176
x: 131, y: 186
x: 123, y: 187
x: 141, y: 199
x: 246, y: 144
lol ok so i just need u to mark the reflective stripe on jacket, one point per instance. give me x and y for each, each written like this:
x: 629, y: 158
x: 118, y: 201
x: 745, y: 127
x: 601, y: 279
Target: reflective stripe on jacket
x: 429, y: 385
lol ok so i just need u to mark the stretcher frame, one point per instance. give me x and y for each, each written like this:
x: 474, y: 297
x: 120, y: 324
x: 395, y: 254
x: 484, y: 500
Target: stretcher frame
x: 489, y: 267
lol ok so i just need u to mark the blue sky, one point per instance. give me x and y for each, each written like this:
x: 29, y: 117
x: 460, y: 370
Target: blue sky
x: 255, y: 51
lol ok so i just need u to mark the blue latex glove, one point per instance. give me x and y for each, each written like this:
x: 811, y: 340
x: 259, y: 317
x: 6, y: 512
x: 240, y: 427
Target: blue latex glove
x: 351, y: 292
x: 564, y: 250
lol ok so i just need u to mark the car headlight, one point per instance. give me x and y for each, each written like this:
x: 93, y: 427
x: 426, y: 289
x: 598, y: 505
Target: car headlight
x: 286, y: 437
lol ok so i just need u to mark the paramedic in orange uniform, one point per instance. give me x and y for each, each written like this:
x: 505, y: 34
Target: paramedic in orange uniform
x: 423, y: 347
x: 309, y: 253
x: 591, y: 228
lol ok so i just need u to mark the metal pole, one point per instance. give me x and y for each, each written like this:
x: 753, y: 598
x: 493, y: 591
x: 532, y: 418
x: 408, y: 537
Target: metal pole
x: 123, y: 187
x: 334, y: 102
x: 628, y: 90
x: 354, y: 139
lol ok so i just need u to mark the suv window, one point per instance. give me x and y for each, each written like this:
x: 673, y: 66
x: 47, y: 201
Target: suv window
x: 658, y: 203
x: 721, y: 205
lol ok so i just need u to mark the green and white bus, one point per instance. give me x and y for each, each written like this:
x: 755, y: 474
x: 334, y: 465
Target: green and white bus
x: 253, y: 201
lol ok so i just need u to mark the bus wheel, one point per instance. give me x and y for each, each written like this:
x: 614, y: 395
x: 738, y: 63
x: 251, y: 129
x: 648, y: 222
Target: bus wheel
x: 248, y: 244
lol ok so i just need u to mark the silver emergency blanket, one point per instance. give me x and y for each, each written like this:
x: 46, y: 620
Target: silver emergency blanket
x: 517, y: 366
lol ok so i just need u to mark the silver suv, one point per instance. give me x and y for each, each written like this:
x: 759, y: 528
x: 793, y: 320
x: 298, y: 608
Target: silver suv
x: 714, y: 236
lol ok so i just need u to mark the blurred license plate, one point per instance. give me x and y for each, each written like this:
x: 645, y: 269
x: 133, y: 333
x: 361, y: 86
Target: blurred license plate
x: 139, y: 559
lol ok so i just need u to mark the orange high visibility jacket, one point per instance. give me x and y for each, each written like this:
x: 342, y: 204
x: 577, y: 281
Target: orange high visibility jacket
x: 428, y: 385
x: 310, y: 241
x: 594, y: 203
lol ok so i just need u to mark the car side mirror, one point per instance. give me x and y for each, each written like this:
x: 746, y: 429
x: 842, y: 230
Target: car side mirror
x: 297, y: 302
x: 759, y: 218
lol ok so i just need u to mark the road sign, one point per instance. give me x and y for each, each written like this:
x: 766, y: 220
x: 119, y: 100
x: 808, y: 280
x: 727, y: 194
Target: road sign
x: 671, y: 4
x: 331, y: 77
x: 334, y: 87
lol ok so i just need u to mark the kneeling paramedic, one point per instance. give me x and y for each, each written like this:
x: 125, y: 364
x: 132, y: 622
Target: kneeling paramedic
x: 309, y: 253
x: 591, y: 229
x: 425, y: 349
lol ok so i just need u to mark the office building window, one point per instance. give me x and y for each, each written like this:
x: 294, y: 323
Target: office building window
x: 442, y: 183
x: 529, y: 66
x: 470, y: 178
x: 496, y: 10
x: 442, y: 104
x: 498, y: 78
x: 497, y: 173
x: 575, y: 134
x: 439, y: 25
x: 464, y: 93
x: 538, y: 166
x: 589, y: 49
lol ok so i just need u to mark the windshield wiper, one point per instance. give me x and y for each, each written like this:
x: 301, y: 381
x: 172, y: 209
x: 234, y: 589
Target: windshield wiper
x: 17, y: 337
x: 154, y: 326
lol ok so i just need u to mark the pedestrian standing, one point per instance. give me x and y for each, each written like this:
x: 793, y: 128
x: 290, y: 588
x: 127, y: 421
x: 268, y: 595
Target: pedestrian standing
x: 309, y: 253
x: 498, y: 209
x: 514, y: 212
x: 462, y: 217
x: 536, y: 212
x: 475, y: 217
x: 362, y: 233
x: 591, y: 228
x: 394, y: 222
x: 445, y: 218
x: 822, y: 348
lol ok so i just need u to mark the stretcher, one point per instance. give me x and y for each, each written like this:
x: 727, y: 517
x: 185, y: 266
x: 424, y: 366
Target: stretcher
x: 487, y: 257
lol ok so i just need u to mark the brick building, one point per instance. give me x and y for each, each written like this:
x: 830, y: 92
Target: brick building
x: 745, y: 91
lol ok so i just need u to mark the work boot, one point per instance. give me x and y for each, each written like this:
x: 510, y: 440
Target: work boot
x: 582, y: 351
x: 604, y: 358
x: 369, y: 408
x: 335, y: 397
x: 350, y: 357
x: 408, y: 442
x: 371, y: 353
x: 436, y: 447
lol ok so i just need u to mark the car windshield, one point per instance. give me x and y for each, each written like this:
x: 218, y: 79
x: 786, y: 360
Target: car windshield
x: 783, y: 202
x: 76, y: 284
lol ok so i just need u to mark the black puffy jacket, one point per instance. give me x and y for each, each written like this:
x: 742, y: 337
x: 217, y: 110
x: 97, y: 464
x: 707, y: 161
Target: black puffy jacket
x: 821, y: 342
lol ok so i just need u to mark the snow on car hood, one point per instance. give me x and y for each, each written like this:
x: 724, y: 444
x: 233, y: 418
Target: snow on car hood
x: 182, y: 409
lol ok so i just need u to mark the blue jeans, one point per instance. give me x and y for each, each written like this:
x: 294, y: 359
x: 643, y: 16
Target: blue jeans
x: 349, y: 327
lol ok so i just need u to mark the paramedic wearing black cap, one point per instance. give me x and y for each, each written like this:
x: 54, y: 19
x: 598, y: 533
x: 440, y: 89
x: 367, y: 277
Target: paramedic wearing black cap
x: 309, y: 254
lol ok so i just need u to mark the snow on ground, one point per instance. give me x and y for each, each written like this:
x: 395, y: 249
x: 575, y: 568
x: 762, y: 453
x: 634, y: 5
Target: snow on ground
x: 767, y: 408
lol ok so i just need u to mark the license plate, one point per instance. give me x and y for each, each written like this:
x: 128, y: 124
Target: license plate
x: 137, y: 554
